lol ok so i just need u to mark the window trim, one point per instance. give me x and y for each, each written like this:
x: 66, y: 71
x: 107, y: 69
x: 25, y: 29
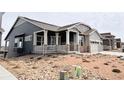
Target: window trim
x: 35, y: 36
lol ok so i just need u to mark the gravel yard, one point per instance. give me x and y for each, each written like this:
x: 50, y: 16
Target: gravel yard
x: 38, y: 67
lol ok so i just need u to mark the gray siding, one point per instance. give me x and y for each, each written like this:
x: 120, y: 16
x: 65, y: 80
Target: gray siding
x: 95, y: 47
x: 82, y: 28
x: 26, y: 28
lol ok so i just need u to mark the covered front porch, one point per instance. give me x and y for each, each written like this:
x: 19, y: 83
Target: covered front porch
x: 55, y: 42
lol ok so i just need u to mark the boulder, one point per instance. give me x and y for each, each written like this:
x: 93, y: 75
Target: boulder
x: 122, y: 58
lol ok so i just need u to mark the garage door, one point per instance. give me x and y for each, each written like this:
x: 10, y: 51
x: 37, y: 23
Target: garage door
x: 94, y: 47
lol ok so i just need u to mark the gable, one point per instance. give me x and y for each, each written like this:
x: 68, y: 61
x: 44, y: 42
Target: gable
x: 19, y: 22
x: 24, y: 28
x: 82, y: 28
x: 94, y: 36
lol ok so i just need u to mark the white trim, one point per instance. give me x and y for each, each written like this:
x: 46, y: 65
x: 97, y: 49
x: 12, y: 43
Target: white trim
x: 57, y: 38
x: 35, y: 35
x: 39, y: 31
x: 97, y: 33
x: 72, y: 30
x: 45, y: 37
x: 74, y: 26
x: 19, y: 22
x: 67, y: 37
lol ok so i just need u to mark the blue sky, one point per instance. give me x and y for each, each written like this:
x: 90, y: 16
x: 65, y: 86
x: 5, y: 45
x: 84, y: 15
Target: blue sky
x: 103, y: 22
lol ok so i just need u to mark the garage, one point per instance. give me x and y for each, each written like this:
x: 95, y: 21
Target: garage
x: 94, y: 47
x: 95, y: 42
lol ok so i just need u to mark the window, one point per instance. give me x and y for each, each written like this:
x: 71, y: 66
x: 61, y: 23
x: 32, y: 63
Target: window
x: 28, y: 38
x: 40, y: 40
x: 7, y: 45
x: 18, y: 42
x: 81, y: 40
x: 59, y: 40
x: 52, y: 40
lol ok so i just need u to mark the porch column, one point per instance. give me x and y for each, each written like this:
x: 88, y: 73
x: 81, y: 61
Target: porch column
x: 57, y: 38
x: 68, y: 40
x: 45, y: 42
x: 45, y: 37
x: 77, y: 41
x: 110, y: 44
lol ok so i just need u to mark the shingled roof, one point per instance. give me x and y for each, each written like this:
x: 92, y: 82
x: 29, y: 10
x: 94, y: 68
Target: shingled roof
x: 41, y: 24
x: 48, y: 26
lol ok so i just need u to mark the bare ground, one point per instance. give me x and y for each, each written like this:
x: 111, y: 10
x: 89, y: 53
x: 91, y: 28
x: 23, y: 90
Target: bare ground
x: 38, y: 67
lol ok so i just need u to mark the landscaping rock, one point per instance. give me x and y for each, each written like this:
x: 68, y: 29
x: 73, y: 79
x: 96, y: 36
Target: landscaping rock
x: 119, y: 56
x: 116, y: 71
x: 34, y: 67
x: 85, y: 60
x: 122, y: 58
x: 106, y: 64
x: 39, y: 58
x: 96, y: 67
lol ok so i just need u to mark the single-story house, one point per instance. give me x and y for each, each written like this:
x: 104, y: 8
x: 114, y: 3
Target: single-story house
x: 30, y: 36
x: 108, y: 41
x: 118, y: 43
x: 122, y: 46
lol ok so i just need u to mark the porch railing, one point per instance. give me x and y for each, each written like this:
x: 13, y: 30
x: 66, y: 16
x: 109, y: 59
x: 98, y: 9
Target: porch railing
x: 106, y: 47
x: 50, y: 49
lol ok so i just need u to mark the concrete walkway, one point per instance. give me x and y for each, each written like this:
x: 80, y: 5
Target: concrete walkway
x: 113, y: 53
x: 5, y: 75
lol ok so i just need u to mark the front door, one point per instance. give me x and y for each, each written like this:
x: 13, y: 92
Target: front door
x: 72, y: 41
x: 18, y: 45
x: 82, y: 48
x: 72, y: 46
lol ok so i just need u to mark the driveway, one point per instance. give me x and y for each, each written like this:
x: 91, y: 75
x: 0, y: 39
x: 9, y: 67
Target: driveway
x: 113, y: 53
x: 6, y: 75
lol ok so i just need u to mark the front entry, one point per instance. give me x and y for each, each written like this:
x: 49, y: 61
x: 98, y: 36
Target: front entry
x: 82, y: 48
x: 72, y: 41
x: 19, y: 44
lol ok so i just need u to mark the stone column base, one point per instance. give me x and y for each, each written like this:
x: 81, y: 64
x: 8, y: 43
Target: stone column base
x: 78, y: 48
x: 45, y: 49
x: 67, y: 48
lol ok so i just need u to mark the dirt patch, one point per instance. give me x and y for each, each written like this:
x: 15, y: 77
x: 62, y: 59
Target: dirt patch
x: 114, y: 66
x: 39, y: 67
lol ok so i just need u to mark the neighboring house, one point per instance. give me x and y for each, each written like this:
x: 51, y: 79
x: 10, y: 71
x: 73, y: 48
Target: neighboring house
x: 122, y: 46
x: 1, y: 30
x: 31, y: 36
x: 108, y: 41
x: 118, y: 42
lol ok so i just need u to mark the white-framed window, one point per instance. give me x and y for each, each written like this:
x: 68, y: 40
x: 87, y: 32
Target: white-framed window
x: 39, y: 40
x: 52, y: 40
x: 18, y: 42
x: 7, y: 44
x: 28, y: 38
x: 59, y: 40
